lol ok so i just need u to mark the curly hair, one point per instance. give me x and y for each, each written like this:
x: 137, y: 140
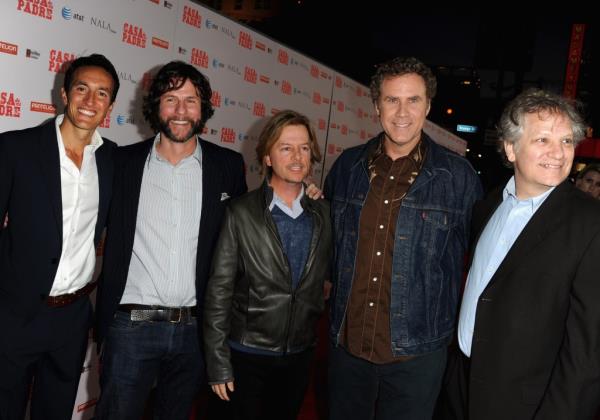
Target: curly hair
x: 171, y: 77
x: 400, y: 66
x: 536, y: 101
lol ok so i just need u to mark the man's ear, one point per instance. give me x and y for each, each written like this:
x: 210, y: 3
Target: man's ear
x: 510, y: 149
x: 63, y: 95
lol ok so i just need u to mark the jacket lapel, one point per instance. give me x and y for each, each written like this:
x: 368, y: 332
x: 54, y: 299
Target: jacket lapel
x: 543, y: 222
x: 210, y: 189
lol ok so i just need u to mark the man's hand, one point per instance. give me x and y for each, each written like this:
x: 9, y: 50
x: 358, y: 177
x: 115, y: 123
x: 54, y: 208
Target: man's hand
x: 221, y: 390
x: 312, y: 191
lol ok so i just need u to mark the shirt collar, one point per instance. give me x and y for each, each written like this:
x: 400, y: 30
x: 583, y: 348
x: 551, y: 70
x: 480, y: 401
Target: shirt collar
x: 95, y: 143
x: 279, y: 202
x: 157, y: 157
x: 510, y: 192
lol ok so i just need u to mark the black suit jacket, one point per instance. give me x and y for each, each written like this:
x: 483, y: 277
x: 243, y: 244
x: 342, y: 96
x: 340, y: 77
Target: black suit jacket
x: 536, y: 341
x: 30, y: 193
x: 222, y: 173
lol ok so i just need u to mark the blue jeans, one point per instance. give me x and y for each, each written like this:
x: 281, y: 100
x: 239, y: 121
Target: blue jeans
x: 138, y: 354
x: 361, y: 390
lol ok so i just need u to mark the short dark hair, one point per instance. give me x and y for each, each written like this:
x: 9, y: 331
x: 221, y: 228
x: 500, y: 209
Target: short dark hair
x: 400, y: 66
x: 536, y: 101
x: 272, y: 131
x: 93, y: 60
x: 592, y: 167
x: 171, y: 77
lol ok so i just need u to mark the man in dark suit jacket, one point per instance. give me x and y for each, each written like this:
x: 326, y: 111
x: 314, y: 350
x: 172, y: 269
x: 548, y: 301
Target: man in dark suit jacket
x: 529, y: 324
x: 169, y: 198
x: 55, y: 187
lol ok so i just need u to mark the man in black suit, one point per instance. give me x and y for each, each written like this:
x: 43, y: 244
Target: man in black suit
x: 169, y: 198
x: 529, y: 328
x: 55, y: 187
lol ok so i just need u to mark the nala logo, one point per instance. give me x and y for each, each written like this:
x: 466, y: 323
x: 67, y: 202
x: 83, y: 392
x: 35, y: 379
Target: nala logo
x: 39, y: 8
x: 102, y: 24
x: 10, y: 105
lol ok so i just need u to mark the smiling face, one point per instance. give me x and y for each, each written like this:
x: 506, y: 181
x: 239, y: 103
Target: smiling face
x: 402, y: 108
x: 88, y: 100
x: 179, y: 113
x: 289, y: 156
x: 543, y: 155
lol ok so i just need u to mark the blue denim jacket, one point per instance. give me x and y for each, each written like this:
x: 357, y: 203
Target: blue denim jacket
x: 430, y: 244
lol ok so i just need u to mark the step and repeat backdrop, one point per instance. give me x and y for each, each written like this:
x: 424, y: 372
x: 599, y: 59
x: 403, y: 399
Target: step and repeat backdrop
x: 252, y: 77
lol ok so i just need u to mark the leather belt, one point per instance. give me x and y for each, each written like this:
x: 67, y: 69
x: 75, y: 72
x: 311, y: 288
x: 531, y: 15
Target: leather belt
x: 68, y: 298
x: 158, y: 313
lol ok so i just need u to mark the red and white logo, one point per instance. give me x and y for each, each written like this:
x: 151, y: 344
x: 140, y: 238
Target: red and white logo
x: 191, y: 17
x: 338, y: 82
x: 199, y: 58
x: 260, y: 46
x: 134, y: 35
x: 340, y: 106
x: 39, y: 8
x: 259, y: 109
x: 314, y: 71
x: 317, y: 98
x: 42, y: 107
x: 322, y: 124
x: 250, y: 75
x: 283, y: 57
x: 59, y: 61
x: 227, y: 135
x: 106, y: 122
x: 286, y: 87
x: 160, y: 43
x: 344, y: 129
x: 10, y: 105
x: 245, y: 40
x: 363, y: 134
x: 9, y: 48
x: 215, y: 99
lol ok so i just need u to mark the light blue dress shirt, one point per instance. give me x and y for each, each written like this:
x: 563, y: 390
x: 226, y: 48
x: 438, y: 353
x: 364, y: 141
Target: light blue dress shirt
x: 498, y: 236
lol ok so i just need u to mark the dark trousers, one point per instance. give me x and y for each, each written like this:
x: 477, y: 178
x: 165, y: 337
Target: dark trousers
x: 269, y: 387
x: 361, y: 390
x: 452, y: 403
x: 50, y: 349
x: 138, y: 354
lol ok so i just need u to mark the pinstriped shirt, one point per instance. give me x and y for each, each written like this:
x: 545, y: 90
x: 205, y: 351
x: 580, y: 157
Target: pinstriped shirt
x: 163, y: 262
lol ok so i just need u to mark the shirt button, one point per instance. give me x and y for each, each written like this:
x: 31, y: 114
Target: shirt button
x: 392, y: 177
x: 378, y: 253
x: 380, y: 226
x: 385, y: 201
x: 374, y: 278
x: 371, y: 304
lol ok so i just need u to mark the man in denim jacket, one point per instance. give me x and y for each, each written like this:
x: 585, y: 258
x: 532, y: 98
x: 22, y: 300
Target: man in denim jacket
x: 401, y: 206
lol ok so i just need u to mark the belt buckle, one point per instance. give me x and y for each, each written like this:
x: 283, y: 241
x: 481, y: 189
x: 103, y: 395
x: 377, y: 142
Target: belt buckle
x: 178, y: 319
